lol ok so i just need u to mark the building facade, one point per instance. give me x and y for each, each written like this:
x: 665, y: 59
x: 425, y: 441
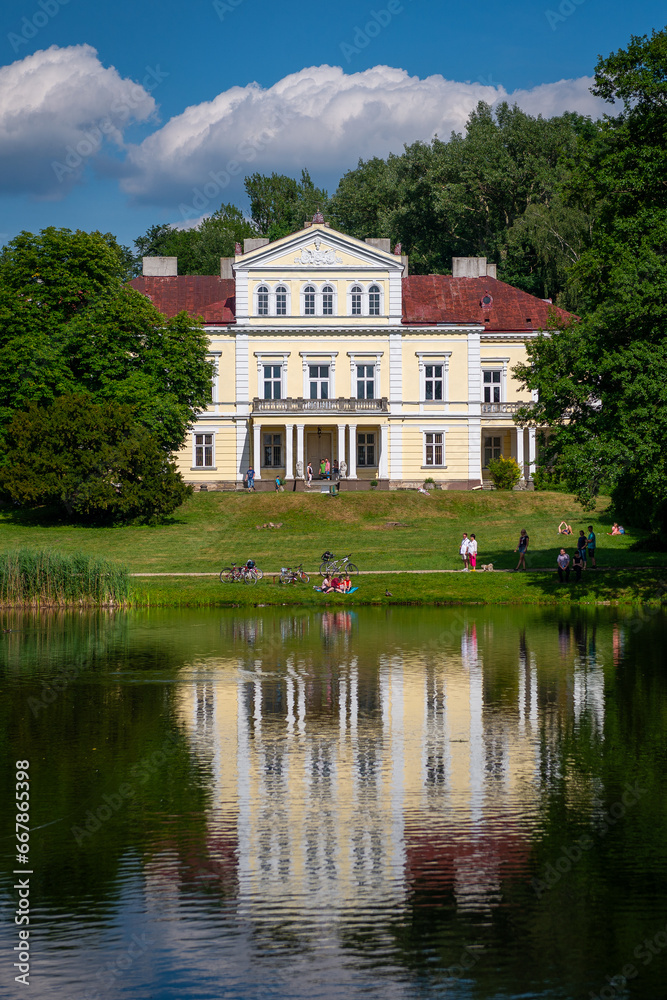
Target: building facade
x: 325, y: 348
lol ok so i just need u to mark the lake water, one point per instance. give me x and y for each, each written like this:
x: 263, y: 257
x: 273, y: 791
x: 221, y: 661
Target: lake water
x: 396, y: 803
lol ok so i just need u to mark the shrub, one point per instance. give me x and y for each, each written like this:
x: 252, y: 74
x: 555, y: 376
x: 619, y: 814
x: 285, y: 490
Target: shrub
x: 545, y: 478
x: 504, y: 472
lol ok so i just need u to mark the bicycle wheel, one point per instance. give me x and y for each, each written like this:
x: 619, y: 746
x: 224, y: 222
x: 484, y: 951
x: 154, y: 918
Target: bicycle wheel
x: 285, y: 578
x: 303, y: 576
x: 227, y: 575
x: 250, y: 576
x: 351, y: 569
x: 325, y: 567
x: 259, y: 573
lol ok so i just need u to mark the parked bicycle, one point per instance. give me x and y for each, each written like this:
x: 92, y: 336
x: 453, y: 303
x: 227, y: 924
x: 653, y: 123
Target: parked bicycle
x: 337, y: 566
x: 296, y: 575
x: 248, y: 573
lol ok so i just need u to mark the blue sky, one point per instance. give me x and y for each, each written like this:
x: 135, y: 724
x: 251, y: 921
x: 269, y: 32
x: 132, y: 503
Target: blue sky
x: 115, y: 116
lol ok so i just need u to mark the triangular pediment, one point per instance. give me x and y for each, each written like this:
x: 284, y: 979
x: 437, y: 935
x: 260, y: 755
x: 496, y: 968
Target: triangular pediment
x: 318, y: 248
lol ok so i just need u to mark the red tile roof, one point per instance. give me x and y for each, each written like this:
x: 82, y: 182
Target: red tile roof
x: 439, y: 298
x: 203, y: 295
x: 428, y: 299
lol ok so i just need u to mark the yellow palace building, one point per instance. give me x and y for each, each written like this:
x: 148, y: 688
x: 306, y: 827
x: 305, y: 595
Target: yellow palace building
x: 327, y: 349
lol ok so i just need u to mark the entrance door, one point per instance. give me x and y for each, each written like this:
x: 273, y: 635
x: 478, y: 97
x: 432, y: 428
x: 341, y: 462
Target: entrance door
x: 318, y: 446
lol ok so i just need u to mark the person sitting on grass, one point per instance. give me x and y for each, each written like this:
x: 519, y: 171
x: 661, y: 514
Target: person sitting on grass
x: 564, y: 528
x: 327, y: 584
x: 616, y: 529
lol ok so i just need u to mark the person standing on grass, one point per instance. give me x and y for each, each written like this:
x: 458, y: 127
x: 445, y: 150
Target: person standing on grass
x: 577, y: 565
x: 463, y: 551
x: 563, y: 561
x: 522, y: 548
x: 591, y: 546
x: 472, y: 552
x: 581, y: 546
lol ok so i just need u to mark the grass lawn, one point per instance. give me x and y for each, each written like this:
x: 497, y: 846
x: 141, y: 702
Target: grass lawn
x: 383, y: 531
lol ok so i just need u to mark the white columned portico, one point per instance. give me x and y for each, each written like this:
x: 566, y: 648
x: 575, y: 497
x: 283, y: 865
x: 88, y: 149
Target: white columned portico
x: 519, y: 451
x: 531, y: 451
x: 352, y: 464
x: 299, y: 448
x: 341, y: 444
x: 383, y: 461
x: 289, y: 451
x: 257, y: 448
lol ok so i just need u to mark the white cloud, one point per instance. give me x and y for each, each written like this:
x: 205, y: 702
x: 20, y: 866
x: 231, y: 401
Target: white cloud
x: 58, y: 108
x: 319, y: 117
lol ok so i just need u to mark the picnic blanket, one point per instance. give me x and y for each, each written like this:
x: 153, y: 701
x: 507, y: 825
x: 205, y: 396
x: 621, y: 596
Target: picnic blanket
x: 343, y: 593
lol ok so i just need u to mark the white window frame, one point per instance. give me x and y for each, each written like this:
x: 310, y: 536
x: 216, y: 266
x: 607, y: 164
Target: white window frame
x: 272, y: 358
x: 319, y: 358
x: 272, y: 290
x: 365, y: 358
x: 490, y: 437
x: 365, y: 286
x: 425, y: 444
x: 319, y: 299
x: 203, y: 432
x: 375, y: 446
x: 494, y: 364
x: 425, y: 358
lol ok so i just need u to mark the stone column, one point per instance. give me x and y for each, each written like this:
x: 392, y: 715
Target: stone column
x: 289, y: 451
x: 532, y: 433
x: 299, y: 449
x: 352, y: 464
x: 519, y: 451
x: 383, y: 459
x: 341, y: 444
x: 257, y: 449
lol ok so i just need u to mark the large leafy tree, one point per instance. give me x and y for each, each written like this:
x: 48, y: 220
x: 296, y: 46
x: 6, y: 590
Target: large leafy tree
x: 94, y: 459
x: 69, y: 323
x: 199, y: 248
x: 279, y: 205
x: 603, y: 382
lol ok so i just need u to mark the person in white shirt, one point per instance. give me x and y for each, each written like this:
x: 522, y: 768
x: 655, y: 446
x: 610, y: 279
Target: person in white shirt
x: 472, y: 552
x: 464, y: 548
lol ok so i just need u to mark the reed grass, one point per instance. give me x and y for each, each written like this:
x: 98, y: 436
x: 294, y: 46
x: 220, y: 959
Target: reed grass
x: 35, y: 578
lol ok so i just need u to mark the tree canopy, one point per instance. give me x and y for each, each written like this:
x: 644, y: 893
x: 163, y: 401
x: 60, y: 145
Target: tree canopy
x: 602, y: 382
x: 199, y: 248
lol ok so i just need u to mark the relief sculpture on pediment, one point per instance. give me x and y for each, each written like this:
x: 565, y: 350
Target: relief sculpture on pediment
x: 320, y: 256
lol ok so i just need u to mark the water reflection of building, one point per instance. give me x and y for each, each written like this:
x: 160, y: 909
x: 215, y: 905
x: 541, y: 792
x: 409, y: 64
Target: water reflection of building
x: 350, y: 783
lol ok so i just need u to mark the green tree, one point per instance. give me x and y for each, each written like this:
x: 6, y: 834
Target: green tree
x: 68, y: 324
x: 94, y: 459
x: 602, y: 382
x: 279, y: 205
x: 200, y: 248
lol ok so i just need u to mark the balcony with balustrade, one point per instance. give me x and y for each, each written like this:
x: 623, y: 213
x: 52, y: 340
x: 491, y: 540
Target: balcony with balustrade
x: 496, y: 410
x: 341, y: 404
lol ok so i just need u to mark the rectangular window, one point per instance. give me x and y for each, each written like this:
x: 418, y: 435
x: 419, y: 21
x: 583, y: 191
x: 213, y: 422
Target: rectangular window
x: 492, y: 386
x: 203, y: 451
x: 273, y: 450
x: 492, y: 449
x: 433, y: 382
x: 366, y: 449
x: 272, y: 382
x: 318, y: 377
x: 435, y: 452
x: 365, y: 381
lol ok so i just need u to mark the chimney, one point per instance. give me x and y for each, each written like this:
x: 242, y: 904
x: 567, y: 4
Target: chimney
x: 226, y: 267
x: 379, y: 244
x: 160, y: 267
x: 472, y: 267
x: 254, y: 244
